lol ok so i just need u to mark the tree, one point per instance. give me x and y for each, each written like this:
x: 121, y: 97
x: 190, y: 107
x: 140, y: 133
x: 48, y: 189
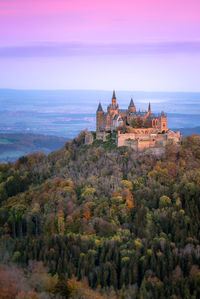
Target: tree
x: 16, y: 216
x: 164, y: 202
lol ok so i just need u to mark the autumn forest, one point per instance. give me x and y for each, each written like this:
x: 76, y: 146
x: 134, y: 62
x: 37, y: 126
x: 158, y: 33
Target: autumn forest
x: 99, y: 221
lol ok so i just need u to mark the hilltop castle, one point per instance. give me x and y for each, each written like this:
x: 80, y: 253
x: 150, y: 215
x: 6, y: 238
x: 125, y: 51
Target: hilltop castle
x: 137, y: 129
x: 115, y: 117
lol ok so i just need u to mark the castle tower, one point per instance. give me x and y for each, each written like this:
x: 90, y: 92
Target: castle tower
x: 114, y: 99
x: 131, y: 107
x: 163, y: 122
x: 99, y: 118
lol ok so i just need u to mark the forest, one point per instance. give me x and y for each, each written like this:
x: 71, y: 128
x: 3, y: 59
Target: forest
x: 99, y: 221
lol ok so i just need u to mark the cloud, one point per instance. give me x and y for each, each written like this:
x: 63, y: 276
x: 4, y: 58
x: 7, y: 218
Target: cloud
x: 96, y: 49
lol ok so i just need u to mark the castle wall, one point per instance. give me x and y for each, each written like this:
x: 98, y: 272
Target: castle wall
x: 107, y: 123
x: 101, y: 136
x: 141, y: 141
x: 89, y: 138
x: 174, y: 136
x: 144, y: 131
x: 122, y: 139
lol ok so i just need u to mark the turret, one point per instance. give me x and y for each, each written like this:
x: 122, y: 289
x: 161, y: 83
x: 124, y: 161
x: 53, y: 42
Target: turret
x: 99, y: 118
x: 131, y: 107
x: 149, y: 111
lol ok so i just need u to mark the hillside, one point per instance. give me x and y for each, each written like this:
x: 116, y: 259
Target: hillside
x: 102, y: 222
x: 13, y: 146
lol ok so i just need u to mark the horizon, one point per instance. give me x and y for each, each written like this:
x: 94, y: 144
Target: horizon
x: 67, y: 112
x: 101, y: 90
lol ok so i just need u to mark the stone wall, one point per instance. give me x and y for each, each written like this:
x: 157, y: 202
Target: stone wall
x: 101, y: 136
x: 141, y: 140
x: 174, y: 136
x: 89, y: 138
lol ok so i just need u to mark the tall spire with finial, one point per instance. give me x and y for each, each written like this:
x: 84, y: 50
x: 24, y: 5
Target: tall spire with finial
x: 114, y: 96
x: 114, y: 99
x: 149, y: 108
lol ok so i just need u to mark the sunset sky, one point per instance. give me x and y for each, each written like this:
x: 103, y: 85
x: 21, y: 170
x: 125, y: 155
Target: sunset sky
x: 100, y: 44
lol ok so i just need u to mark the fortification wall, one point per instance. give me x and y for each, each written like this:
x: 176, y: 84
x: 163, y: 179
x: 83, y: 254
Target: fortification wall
x: 101, y: 136
x: 174, y: 136
x: 144, y: 131
x: 141, y: 141
x: 89, y: 138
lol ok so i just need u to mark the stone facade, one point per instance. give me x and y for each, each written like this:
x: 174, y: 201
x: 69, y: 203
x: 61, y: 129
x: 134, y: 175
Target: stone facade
x: 142, y: 139
x: 89, y: 138
x: 101, y: 135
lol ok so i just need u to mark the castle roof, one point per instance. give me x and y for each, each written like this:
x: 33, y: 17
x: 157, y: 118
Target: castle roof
x: 99, y: 107
x: 154, y: 115
x: 138, y: 113
x: 123, y: 110
x: 131, y: 103
x: 114, y: 96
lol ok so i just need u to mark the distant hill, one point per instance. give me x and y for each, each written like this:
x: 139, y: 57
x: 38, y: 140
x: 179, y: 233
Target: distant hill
x: 13, y: 146
x: 190, y: 131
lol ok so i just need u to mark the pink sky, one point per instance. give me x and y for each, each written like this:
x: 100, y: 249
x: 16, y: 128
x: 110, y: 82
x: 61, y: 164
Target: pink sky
x: 27, y: 23
x: 94, y: 20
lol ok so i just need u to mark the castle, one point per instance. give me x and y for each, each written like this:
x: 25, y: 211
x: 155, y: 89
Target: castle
x: 115, y: 117
x: 136, y: 129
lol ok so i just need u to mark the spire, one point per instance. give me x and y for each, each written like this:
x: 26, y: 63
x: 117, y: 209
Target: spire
x: 149, y: 109
x: 114, y: 96
x: 131, y: 103
x: 99, y: 107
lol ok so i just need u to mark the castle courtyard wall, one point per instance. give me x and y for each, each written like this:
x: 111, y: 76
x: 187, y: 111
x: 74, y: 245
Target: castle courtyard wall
x: 141, y: 141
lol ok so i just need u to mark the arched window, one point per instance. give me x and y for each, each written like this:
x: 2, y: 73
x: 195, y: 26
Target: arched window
x: 156, y: 123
